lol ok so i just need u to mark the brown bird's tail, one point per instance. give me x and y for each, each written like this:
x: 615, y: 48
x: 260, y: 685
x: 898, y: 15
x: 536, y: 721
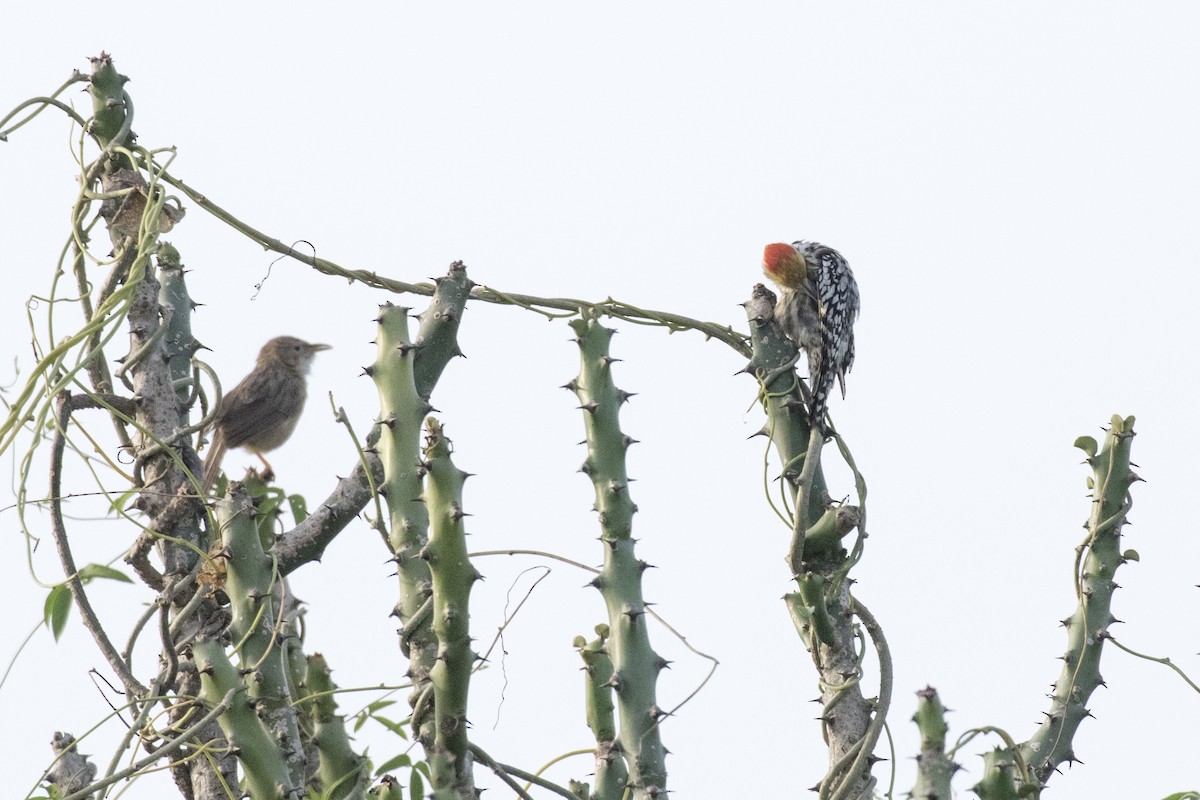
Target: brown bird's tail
x: 212, y: 464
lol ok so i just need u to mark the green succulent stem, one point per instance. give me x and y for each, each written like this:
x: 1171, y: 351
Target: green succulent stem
x: 262, y: 759
x: 453, y: 576
x: 611, y: 775
x: 341, y: 772
x: 934, y: 766
x: 112, y: 114
x: 635, y: 664
x: 821, y: 609
x: 257, y: 603
x: 178, y: 341
x: 1097, y: 559
x: 438, y: 335
x: 402, y: 411
x: 1000, y: 778
x: 798, y: 445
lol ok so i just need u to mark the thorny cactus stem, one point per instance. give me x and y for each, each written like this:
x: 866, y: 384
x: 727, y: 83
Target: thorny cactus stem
x: 437, y: 338
x: 934, y: 767
x: 177, y: 307
x: 261, y: 757
x: 111, y: 118
x: 255, y: 589
x: 787, y: 418
x: 1000, y: 778
x: 341, y: 772
x: 611, y: 774
x: 635, y: 664
x: 405, y: 373
x: 452, y: 576
x: 1097, y: 561
x: 822, y: 607
x: 401, y: 412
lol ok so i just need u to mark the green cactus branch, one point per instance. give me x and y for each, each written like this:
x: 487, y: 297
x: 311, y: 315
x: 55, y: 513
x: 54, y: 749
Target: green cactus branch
x: 934, y: 767
x: 452, y: 576
x: 342, y: 772
x: 1098, y: 559
x: 635, y: 664
x: 258, y: 606
x: 787, y: 424
x: 267, y: 776
x: 611, y: 775
x: 405, y: 373
x: 821, y: 609
x: 402, y: 411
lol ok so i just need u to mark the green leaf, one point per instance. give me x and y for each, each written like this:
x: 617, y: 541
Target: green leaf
x: 1088, y: 445
x: 402, y: 760
x: 299, y: 507
x: 92, y: 571
x: 379, y: 705
x: 394, y: 727
x: 359, y: 721
x: 416, y: 786
x: 1131, y: 555
x: 267, y: 505
x: 122, y: 500
x: 58, y: 608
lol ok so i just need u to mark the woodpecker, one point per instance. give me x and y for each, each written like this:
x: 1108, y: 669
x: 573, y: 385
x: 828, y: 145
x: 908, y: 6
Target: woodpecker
x: 817, y: 306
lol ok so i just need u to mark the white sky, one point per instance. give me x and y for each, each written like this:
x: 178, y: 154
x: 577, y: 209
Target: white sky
x: 1014, y: 186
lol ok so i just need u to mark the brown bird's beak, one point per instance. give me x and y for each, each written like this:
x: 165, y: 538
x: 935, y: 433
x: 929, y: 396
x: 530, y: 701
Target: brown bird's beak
x: 316, y: 348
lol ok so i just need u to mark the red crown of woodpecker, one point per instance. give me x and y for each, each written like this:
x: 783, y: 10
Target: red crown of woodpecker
x: 782, y: 264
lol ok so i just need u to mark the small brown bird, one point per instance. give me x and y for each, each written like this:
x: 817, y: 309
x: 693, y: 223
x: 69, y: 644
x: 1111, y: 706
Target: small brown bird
x: 262, y: 411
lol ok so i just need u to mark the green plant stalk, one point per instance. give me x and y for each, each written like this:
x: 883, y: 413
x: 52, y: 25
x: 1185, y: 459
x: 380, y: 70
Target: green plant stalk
x: 107, y: 88
x: 262, y: 759
x: 611, y: 774
x: 341, y: 772
x: 177, y: 308
x: 934, y: 766
x: 453, y: 576
x: 635, y: 664
x: 437, y: 336
x: 787, y: 418
x: 1100, y: 556
x: 257, y: 628
x: 812, y: 596
x: 821, y: 608
x: 999, y: 780
x: 402, y: 411
x: 388, y: 788
x: 180, y: 345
